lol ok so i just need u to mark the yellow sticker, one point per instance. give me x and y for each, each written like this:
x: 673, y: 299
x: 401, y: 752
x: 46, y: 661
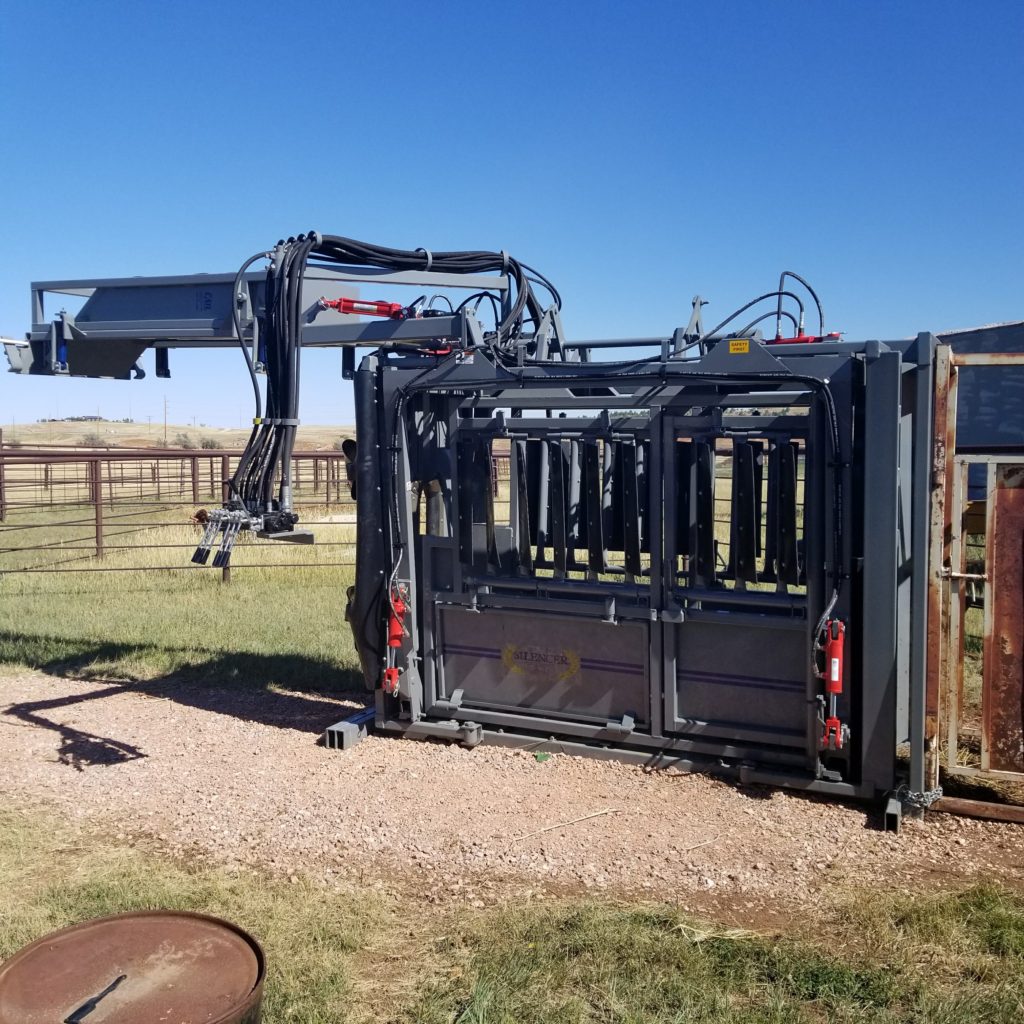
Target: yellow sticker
x: 739, y: 346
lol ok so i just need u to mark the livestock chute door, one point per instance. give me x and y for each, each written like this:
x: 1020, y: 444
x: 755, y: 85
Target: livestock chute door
x: 577, y: 669
x: 736, y: 643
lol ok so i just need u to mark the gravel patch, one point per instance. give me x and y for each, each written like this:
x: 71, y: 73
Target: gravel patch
x: 240, y: 777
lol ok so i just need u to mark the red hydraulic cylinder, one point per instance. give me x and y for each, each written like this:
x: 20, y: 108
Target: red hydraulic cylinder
x: 835, y: 639
x: 396, y: 630
x: 834, y: 656
x: 366, y: 307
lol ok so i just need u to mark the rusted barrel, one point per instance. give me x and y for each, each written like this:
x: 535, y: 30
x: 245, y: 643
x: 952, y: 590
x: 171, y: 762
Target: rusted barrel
x: 132, y: 968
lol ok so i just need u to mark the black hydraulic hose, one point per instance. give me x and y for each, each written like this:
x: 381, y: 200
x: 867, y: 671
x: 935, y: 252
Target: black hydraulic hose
x: 766, y: 316
x: 753, y: 302
x: 811, y: 292
x: 237, y: 322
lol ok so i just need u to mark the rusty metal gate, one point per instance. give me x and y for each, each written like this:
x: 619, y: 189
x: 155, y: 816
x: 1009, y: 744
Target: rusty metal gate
x: 976, y: 607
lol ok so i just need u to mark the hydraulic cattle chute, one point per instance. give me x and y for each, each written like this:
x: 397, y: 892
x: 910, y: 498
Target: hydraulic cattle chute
x: 708, y: 548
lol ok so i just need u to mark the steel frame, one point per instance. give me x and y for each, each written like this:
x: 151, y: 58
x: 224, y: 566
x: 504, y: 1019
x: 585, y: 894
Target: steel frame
x: 883, y: 395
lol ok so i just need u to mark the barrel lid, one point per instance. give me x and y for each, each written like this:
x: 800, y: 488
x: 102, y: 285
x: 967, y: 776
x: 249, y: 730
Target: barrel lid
x: 154, y: 966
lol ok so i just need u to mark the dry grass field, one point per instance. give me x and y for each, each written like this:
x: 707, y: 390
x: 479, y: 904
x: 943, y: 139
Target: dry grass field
x: 151, y: 435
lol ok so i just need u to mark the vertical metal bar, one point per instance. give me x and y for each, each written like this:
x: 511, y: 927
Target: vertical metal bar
x: 683, y: 463
x: 921, y: 470
x: 631, y: 510
x: 576, y: 518
x: 96, y: 480
x: 702, y: 536
x: 485, y: 462
x: 3, y: 483
x: 944, y: 445
x: 595, y: 533
x: 880, y: 505
x: 770, y: 573
x: 954, y: 646
x: 742, y: 528
x: 559, y: 533
x: 518, y: 471
x: 788, y: 567
x: 464, y: 492
x: 643, y: 475
x: 1005, y: 585
x: 543, y: 499
x: 608, y: 518
x: 757, y: 449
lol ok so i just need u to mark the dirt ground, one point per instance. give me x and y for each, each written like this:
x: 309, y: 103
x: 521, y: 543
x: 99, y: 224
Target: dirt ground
x: 240, y: 777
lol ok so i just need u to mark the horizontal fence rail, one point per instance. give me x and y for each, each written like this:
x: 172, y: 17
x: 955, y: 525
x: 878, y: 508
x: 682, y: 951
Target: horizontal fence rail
x: 66, y: 510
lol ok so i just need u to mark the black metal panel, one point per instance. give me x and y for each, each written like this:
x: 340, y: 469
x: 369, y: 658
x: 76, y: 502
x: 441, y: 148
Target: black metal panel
x: 643, y: 489
x: 475, y: 508
x: 703, y: 533
x: 593, y: 500
x: 536, y: 477
x: 559, y: 532
x: 788, y: 565
x: 519, y: 478
x: 684, y: 462
x: 743, y: 527
x: 741, y: 684
x: 631, y: 509
x: 612, y: 500
x: 579, y: 668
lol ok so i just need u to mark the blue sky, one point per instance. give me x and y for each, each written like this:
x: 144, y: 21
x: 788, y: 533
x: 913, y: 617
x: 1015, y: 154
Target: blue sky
x: 636, y: 154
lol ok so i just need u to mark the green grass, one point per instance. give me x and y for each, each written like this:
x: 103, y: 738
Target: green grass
x: 944, y: 958
x: 309, y: 935
x: 940, y: 958
x: 268, y: 626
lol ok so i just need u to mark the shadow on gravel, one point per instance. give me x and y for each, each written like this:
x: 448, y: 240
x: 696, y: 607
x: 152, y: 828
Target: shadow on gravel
x: 251, y: 687
x: 78, y: 749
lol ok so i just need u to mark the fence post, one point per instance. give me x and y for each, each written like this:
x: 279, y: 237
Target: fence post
x: 3, y: 486
x: 96, y: 476
x: 195, y: 480
x: 225, y: 474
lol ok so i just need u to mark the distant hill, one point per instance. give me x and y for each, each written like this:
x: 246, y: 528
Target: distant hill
x: 144, y: 435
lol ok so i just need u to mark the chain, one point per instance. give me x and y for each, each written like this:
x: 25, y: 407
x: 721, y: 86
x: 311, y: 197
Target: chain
x: 911, y: 798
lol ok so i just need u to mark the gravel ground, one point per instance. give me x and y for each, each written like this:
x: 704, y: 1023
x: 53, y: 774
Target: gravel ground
x: 240, y: 777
